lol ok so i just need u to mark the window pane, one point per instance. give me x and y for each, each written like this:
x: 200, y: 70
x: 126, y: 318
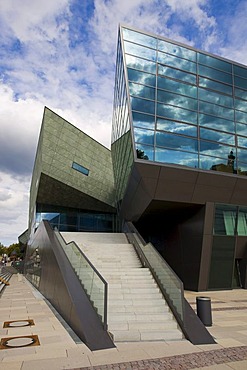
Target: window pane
x: 241, y: 116
x: 241, y: 129
x: 209, y: 84
x: 179, y: 87
x: 177, y: 114
x: 242, y: 155
x: 214, y: 74
x: 176, y: 50
x: 214, y: 62
x: 216, y: 110
x: 147, y: 152
x: 174, y: 99
x: 240, y: 93
x: 242, y: 141
x: 176, y: 127
x: 143, y: 120
x: 141, y: 91
x: 138, y: 63
x: 242, y: 221
x: 141, y: 77
x: 139, y: 38
x: 240, y: 71
x: 241, y: 105
x: 175, y: 62
x: 215, y: 164
x: 240, y: 82
x: 217, y: 136
x: 215, y: 98
x: 176, y: 142
x: 176, y: 157
x: 142, y: 105
x: 144, y: 136
x: 139, y: 51
x: 80, y: 168
x: 215, y: 150
x: 176, y: 74
x: 216, y: 123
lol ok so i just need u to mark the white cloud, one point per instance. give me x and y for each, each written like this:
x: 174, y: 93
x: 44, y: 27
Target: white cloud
x: 14, y: 207
x: 40, y: 67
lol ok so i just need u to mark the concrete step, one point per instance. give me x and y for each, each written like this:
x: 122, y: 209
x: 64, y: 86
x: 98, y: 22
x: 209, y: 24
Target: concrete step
x: 136, y: 308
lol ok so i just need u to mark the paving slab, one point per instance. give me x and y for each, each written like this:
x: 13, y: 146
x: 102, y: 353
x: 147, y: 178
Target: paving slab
x: 58, y: 350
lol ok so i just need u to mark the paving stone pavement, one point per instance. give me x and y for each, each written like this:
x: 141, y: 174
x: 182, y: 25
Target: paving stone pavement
x: 185, y: 362
x: 60, y: 349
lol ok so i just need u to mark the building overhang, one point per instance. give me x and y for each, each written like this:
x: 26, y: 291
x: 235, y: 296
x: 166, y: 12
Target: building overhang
x: 150, y: 181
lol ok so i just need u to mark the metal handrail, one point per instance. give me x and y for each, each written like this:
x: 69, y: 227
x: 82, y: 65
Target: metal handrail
x: 64, y: 244
x: 140, y: 246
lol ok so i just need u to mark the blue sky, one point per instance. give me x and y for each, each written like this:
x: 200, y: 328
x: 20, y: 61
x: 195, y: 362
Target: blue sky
x: 61, y: 54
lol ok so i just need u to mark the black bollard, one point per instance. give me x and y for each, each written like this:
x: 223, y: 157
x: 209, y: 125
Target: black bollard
x: 203, y: 308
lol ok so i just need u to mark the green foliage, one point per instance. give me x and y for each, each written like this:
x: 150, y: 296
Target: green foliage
x: 12, y: 249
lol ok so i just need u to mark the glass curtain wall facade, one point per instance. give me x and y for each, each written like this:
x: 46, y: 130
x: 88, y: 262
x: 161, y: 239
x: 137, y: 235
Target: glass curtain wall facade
x: 188, y: 108
x: 121, y: 148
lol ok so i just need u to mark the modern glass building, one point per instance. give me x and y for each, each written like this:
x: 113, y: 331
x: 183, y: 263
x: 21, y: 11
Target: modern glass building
x: 177, y: 166
x: 179, y: 149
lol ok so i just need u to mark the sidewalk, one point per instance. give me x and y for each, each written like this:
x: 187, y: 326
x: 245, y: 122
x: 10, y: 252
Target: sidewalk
x: 59, y: 348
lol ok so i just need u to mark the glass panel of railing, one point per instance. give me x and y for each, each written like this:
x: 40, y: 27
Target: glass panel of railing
x: 93, y: 284
x: 166, y: 276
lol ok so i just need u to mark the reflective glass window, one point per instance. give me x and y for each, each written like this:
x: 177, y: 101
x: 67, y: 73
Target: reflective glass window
x: 80, y: 168
x: 144, y: 136
x: 142, y: 64
x: 213, y: 85
x: 139, y: 38
x: 141, y: 91
x: 241, y: 105
x: 240, y: 93
x: 178, y: 86
x: 176, y: 127
x: 176, y: 142
x: 139, y: 51
x: 216, y: 110
x: 142, y: 105
x: 215, y: 98
x: 225, y: 219
x: 217, y: 136
x: 214, y: 163
x: 242, y: 141
x: 143, y: 120
x: 214, y: 74
x: 215, y: 150
x: 242, y: 221
x: 241, y: 129
x: 240, y: 71
x: 141, y: 77
x: 214, y: 62
x: 240, y: 82
x: 216, y: 123
x: 176, y: 113
x: 176, y: 62
x: 242, y: 155
x: 175, y: 99
x: 147, y: 152
x: 176, y: 74
x: 242, y: 168
x: 241, y: 116
x: 179, y: 51
x: 176, y: 157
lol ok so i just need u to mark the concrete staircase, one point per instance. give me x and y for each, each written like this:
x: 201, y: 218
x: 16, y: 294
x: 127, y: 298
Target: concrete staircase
x: 136, y: 308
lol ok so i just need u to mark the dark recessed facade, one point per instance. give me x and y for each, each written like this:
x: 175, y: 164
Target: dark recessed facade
x: 177, y: 166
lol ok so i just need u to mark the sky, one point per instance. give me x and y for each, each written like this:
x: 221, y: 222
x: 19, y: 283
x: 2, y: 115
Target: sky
x: 61, y: 54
